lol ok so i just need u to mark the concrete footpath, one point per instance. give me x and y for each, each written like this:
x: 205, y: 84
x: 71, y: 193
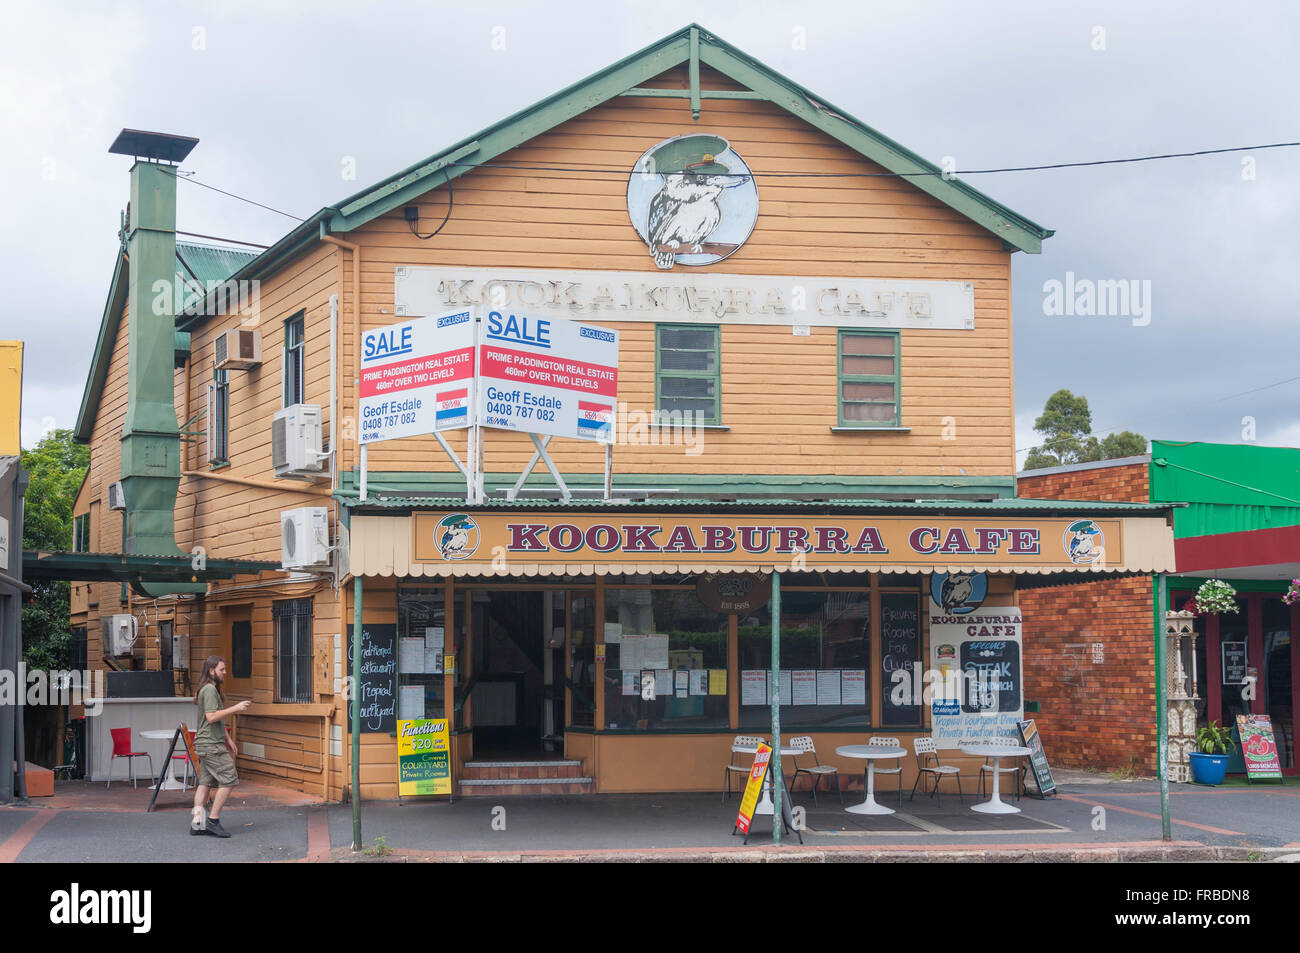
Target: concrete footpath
x: 1091, y: 820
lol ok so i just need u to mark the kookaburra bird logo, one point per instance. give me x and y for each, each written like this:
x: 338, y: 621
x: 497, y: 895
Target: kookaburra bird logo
x: 691, y: 200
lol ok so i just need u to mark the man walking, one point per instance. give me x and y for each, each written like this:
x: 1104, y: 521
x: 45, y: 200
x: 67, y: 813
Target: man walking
x: 215, y: 749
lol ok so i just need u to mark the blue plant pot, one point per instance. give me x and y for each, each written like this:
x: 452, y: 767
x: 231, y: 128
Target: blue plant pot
x: 1208, y: 768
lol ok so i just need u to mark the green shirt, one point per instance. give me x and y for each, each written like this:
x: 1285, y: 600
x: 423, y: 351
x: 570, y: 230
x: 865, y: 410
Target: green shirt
x: 209, y: 734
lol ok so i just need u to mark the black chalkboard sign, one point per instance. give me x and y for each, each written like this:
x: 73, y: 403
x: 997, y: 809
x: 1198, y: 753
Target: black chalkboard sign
x: 900, y: 650
x: 992, y: 670
x: 1234, y: 663
x: 1037, y: 757
x: 377, y: 687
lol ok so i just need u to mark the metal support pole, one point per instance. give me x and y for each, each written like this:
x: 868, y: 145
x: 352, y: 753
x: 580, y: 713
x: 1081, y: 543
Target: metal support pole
x: 1161, y: 597
x: 356, y: 712
x: 778, y: 787
x: 364, y: 448
x: 471, y: 461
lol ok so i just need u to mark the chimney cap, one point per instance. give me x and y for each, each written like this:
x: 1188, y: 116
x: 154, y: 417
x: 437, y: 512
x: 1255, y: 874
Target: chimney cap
x: 157, y: 146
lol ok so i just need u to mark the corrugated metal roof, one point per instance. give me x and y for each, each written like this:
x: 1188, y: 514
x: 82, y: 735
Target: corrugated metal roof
x: 205, y: 263
x: 680, y: 503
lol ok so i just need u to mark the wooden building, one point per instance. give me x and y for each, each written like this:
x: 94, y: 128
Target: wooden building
x: 842, y: 338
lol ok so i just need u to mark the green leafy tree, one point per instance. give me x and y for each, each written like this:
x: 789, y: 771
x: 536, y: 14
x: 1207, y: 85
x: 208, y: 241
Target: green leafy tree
x: 55, y: 467
x: 1066, y: 427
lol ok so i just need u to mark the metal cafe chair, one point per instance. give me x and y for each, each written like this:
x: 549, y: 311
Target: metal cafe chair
x: 886, y: 742
x: 929, y: 765
x: 803, y: 744
x: 741, y: 744
x: 122, y: 749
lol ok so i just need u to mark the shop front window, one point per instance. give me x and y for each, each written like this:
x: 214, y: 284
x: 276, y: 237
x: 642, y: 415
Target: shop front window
x: 825, y: 674
x: 1233, y: 630
x: 421, y: 616
x: 1276, y: 677
x: 665, y: 661
x: 582, y: 658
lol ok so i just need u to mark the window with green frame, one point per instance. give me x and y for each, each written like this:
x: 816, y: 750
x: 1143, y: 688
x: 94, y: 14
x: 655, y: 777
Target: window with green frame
x: 868, y: 365
x: 687, y: 373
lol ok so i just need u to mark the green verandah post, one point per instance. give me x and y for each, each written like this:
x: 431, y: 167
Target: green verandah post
x: 775, y: 763
x: 1160, y: 594
x: 355, y: 692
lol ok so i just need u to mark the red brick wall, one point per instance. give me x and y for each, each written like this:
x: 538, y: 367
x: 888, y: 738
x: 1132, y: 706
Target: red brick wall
x: 1122, y: 484
x: 1093, y: 715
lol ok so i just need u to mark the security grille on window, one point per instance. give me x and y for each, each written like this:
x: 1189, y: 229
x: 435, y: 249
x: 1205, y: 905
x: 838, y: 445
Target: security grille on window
x: 294, y: 352
x: 868, y: 379
x: 687, y: 385
x: 293, y: 650
x: 219, y: 418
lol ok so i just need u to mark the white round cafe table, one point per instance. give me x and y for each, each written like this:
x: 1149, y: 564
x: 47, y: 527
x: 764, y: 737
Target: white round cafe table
x: 870, y: 753
x: 995, y: 804
x: 166, y: 734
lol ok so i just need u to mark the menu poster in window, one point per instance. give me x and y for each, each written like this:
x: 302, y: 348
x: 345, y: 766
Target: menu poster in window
x: 411, y: 658
x: 976, y: 695
x: 654, y: 651
x: 631, y: 682
x: 803, y: 690
x: 853, y: 686
x: 377, y: 685
x: 782, y: 685
x: 1258, y: 748
x: 828, y: 686
x: 900, y: 652
x: 753, y: 686
x: 682, y: 683
x: 631, y: 655
x: 663, y: 682
x: 717, y: 681
x: 1234, y: 663
x: 411, y: 701
x: 699, y: 681
x: 613, y: 633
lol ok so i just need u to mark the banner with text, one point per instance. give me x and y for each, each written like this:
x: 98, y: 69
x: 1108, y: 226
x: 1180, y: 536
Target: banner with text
x: 976, y: 676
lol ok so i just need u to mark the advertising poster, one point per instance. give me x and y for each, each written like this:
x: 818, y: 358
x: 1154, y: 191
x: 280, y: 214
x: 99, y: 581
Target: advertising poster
x: 1258, y: 747
x: 547, y: 376
x: 975, y: 676
x: 423, y: 757
x: 417, y: 377
x: 745, y: 816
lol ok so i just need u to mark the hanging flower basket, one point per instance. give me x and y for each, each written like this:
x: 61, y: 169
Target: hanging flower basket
x: 1292, y: 595
x: 1216, y: 596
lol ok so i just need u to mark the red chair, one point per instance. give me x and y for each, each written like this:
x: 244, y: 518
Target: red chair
x: 122, y: 749
x: 185, y: 756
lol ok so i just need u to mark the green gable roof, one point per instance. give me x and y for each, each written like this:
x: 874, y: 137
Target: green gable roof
x: 194, y: 263
x: 692, y: 45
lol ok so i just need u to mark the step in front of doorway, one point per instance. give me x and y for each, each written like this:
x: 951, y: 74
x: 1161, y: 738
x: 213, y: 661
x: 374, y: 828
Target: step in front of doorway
x: 522, y: 770
x: 539, y: 787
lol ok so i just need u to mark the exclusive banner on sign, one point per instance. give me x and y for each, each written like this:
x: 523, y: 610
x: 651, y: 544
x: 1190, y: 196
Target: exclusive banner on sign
x: 975, y: 679
x: 547, y: 376
x: 417, y: 377
x: 423, y: 757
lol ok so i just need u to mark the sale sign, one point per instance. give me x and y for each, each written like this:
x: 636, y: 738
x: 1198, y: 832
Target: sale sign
x: 546, y: 375
x: 1258, y: 747
x: 752, y: 789
x: 417, y: 377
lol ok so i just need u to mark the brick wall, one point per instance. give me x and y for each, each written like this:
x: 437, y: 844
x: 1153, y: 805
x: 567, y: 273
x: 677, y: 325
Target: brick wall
x: 1094, y: 715
x: 1120, y: 484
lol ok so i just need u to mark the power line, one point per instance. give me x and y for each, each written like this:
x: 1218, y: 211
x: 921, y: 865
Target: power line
x: 217, y: 238
x: 1216, y: 400
x: 185, y: 177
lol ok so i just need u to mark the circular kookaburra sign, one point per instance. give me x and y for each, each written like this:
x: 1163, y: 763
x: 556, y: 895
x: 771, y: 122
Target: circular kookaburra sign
x: 692, y: 200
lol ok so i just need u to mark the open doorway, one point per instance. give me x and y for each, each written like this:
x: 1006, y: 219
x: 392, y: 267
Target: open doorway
x: 510, y: 674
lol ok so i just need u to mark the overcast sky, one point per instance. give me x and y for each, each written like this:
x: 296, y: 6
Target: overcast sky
x: 281, y: 93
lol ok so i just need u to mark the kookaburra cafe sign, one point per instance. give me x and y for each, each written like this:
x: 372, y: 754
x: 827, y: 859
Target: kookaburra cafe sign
x: 693, y: 201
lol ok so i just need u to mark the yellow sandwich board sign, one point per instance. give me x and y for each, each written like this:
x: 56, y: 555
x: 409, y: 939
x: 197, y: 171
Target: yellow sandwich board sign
x: 423, y: 757
x: 752, y: 789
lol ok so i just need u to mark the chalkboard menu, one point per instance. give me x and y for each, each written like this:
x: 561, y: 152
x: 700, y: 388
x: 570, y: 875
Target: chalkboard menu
x: 1234, y: 663
x: 1037, y: 757
x: 992, y: 667
x: 377, y: 687
x: 900, y: 650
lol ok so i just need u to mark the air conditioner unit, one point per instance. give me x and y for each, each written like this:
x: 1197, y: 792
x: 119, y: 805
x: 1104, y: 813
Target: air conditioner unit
x: 180, y: 651
x: 117, y: 633
x: 238, y: 349
x: 116, y: 498
x: 305, y: 538
x: 296, y: 441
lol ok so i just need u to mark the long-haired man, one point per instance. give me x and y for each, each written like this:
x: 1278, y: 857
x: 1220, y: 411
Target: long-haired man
x: 215, y: 749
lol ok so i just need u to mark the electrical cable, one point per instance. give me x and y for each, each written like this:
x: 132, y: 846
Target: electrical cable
x: 451, y: 198
x: 187, y: 177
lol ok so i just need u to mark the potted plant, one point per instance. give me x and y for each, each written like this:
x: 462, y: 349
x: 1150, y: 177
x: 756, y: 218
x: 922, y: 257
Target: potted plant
x: 1210, y: 761
x: 1215, y: 596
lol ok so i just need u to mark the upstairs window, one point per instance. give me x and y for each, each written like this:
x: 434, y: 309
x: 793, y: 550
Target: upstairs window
x: 81, y: 533
x: 219, y: 418
x: 869, y: 379
x: 687, y: 374
x: 294, y: 365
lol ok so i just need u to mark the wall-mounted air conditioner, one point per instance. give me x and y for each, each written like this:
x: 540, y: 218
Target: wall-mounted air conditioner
x: 118, y: 633
x: 305, y: 538
x: 116, y: 498
x: 180, y: 651
x: 238, y: 349
x: 296, y: 441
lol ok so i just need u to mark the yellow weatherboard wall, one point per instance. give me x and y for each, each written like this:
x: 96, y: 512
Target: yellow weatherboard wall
x: 11, y: 397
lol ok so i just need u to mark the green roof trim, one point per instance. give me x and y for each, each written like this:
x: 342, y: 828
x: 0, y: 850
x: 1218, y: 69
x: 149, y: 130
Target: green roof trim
x: 1230, y: 488
x: 201, y: 263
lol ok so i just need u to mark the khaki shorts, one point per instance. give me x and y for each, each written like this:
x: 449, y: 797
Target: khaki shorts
x: 217, y: 768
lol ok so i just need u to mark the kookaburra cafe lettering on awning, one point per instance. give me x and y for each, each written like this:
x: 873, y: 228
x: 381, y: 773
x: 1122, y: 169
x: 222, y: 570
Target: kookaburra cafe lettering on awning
x: 822, y: 541
x: 686, y: 297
